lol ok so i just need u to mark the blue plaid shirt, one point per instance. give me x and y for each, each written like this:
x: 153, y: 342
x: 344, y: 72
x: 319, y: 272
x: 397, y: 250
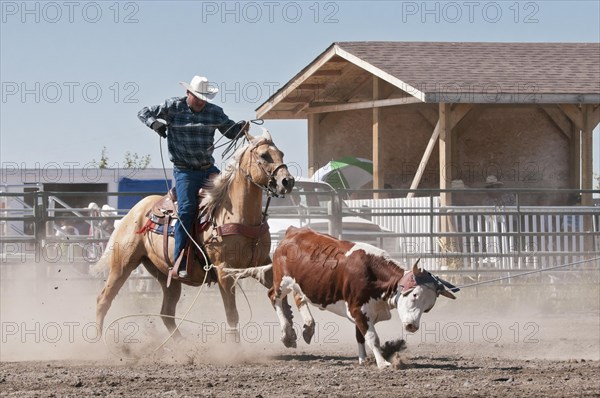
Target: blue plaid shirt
x: 190, y: 135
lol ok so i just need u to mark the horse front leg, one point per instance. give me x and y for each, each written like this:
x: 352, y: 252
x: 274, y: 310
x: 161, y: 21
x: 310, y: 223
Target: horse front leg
x: 227, y: 289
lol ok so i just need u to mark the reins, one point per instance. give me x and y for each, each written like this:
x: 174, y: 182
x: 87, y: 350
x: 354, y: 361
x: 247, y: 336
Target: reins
x: 232, y: 144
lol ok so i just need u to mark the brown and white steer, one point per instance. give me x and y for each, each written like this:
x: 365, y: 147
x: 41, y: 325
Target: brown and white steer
x: 354, y: 280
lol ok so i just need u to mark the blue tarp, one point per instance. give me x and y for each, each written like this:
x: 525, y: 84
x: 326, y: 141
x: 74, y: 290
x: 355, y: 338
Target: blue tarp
x: 126, y: 202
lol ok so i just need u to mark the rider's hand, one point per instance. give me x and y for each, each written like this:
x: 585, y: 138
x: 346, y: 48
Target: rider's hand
x: 245, y: 126
x: 160, y: 128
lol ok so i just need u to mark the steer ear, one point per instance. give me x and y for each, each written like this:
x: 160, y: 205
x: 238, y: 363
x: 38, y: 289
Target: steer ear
x: 448, y: 294
x: 415, y: 270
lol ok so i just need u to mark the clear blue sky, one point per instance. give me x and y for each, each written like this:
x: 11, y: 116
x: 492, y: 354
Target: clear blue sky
x: 75, y: 74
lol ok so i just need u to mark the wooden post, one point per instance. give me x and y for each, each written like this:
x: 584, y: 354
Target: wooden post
x: 313, y: 130
x: 587, y: 176
x: 445, y: 153
x: 377, y: 150
x: 455, y: 116
x: 448, y: 244
x: 575, y: 149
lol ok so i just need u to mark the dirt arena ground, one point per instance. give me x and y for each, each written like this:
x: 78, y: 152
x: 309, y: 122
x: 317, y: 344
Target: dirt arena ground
x: 493, y: 342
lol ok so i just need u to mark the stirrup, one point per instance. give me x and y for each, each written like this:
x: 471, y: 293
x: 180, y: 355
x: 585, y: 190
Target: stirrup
x: 173, y: 272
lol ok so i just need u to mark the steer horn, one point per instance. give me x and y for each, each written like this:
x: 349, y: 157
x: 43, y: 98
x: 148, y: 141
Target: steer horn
x: 447, y: 293
x: 416, y: 270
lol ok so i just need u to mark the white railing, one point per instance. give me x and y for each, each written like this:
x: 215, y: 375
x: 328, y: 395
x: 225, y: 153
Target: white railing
x: 411, y: 218
x: 485, y: 237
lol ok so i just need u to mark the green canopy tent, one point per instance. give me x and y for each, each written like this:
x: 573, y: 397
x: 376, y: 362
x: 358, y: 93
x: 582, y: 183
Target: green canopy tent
x: 348, y: 173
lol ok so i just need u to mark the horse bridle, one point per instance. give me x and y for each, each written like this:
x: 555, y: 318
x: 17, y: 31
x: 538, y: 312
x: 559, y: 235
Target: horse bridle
x: 271, y: 185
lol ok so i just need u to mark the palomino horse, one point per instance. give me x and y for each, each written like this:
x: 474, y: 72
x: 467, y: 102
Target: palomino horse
x: 234, y: 198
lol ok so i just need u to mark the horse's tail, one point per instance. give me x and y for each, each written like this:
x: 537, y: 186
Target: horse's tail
x: 264, y: 274
x: 98, y: 270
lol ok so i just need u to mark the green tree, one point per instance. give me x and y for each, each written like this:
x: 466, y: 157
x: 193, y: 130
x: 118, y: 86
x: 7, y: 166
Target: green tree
x: 135, y: 161
x: 103, y: 163
x: 130, y: 161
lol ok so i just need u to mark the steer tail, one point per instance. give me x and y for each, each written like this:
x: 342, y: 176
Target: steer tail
x: 263, y: 274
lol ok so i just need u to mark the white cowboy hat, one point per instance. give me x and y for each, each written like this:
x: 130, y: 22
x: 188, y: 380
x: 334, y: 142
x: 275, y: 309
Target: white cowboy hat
x: 200, y: 87
x: 492, y: 181
x: 457, y: 184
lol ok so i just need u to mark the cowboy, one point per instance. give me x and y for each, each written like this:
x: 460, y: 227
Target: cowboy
x: 189, y: 126
x: 498, y: 199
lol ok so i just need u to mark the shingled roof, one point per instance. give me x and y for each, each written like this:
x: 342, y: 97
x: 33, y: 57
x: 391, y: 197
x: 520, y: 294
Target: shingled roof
x: 432, y: 72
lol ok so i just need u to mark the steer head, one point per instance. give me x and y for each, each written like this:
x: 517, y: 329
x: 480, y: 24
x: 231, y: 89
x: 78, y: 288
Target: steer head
x: 417, y: 293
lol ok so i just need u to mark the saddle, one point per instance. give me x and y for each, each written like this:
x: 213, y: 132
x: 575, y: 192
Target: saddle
x: 161, y: 220
x: 167, y: 205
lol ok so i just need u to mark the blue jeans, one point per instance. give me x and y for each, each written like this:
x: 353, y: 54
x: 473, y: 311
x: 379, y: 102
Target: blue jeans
x: 187, y: 184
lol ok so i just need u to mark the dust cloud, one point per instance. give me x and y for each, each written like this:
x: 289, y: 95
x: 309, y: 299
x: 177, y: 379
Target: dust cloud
x: 47, y: 312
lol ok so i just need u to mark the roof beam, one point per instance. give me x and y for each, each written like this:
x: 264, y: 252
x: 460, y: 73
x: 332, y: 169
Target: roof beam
x: 430, y: 115
x: 510, y: 98
x: 298, y: 79
x: 348, y: 106
x: 328, y: 72
x: 379, y: 73
x: 558, y: 118
x: 573, y: 113
x: 459, y: 111
x: 285, y: 115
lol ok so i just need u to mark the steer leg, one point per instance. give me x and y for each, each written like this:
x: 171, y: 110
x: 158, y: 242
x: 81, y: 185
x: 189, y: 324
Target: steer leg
x: 373, y: 341
x: 309, y: 322
x: 362, y: 351
x: 367, y: 329
x: 284, y: 312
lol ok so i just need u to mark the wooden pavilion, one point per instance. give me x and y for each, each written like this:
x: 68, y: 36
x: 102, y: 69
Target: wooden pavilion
x: 523, y: 112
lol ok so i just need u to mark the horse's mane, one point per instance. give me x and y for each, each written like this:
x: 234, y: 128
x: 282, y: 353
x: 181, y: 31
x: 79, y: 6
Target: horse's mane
x: 218, y: 189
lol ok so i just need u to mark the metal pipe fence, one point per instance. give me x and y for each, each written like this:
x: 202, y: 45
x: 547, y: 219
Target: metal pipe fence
x: 472, y: 239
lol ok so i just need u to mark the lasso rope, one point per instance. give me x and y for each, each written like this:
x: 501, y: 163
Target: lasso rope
x: 529, y: 272
x: 207, y: 268
x: 182, y: 320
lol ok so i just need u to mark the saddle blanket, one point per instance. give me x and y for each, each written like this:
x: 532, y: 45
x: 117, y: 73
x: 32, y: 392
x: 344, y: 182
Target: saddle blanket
x: 152, y: 226
x: 155, y: 227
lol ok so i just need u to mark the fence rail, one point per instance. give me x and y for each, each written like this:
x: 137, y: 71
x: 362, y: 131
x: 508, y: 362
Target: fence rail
x: 486, y: 237
x: 470, y: 238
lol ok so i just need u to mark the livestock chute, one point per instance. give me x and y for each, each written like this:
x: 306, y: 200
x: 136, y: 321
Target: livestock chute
x: 126, y: 202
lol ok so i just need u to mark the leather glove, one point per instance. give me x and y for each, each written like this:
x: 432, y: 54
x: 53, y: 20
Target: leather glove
x: 160, y: 128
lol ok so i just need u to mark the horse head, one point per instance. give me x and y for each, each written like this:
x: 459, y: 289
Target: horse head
x: 262, y: 163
